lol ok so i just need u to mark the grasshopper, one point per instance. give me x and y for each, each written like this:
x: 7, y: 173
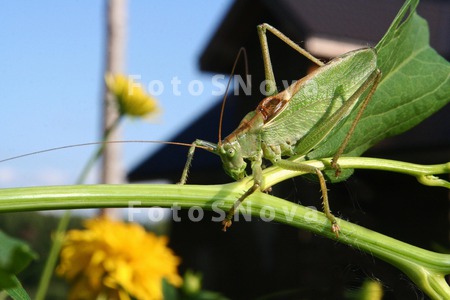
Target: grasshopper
x: 296, y: 120
x: 292, y: 122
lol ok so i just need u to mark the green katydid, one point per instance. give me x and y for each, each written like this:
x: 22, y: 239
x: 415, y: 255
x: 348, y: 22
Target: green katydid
x: 296, y: 120
x: 292, y: 122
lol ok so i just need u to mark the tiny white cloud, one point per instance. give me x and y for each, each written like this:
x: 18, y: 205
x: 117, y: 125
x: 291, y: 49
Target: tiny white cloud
x: 8, y: 176
x: 51, y: 176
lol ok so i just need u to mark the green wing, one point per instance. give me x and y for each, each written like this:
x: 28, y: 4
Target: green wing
x: 318, y: 102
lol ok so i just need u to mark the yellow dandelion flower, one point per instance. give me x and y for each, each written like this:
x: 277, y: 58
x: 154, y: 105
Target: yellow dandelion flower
x: 117, y: 260
x: 131, y: 97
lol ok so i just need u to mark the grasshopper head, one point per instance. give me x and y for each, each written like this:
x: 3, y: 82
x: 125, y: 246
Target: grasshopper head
x: 232, y: 160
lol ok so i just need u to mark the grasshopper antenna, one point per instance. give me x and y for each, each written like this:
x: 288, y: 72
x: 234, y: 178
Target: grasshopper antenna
x: 104, y: 143
x: 244, y: 53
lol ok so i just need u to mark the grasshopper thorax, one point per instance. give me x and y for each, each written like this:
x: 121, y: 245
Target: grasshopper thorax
x: 233, y: 162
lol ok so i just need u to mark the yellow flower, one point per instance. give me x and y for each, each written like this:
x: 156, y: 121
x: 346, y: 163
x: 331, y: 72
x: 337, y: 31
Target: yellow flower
x: 117, y: 260
x: 371, y: 290
x: 131, y: 97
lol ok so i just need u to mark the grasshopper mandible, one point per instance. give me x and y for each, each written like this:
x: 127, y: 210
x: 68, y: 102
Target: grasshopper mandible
x: 296, y: 120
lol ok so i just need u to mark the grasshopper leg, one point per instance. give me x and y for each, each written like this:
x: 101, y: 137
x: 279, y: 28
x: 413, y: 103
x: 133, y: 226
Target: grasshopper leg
x: 295, y: 166
x: 326, y: 205
x: 373, y: 80
x: 190, y: 156
x: 257, y: 177
x: 271, y: 87
x: 197, y: 143
x: 227, y: 221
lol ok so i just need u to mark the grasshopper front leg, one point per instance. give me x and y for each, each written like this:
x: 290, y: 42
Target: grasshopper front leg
x: 257, y: 182
x: 295, y: 166
x: 197, y: 143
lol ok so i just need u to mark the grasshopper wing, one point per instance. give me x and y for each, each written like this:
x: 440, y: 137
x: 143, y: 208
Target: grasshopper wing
x: 318, y: 103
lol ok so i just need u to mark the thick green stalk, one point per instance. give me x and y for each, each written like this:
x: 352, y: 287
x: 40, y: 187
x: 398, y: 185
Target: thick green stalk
x: 427, y: 269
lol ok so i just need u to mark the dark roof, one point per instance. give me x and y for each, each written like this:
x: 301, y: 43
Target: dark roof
x: 364, y: 21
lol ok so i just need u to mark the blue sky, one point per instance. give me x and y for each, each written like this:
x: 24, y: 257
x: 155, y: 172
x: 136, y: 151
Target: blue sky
x: 51, y: 68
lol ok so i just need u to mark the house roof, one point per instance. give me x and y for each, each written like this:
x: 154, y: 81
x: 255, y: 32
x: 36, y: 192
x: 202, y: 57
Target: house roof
x: 352, y: 20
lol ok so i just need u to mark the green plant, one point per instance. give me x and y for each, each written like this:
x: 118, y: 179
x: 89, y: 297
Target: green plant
x: 400, y: 102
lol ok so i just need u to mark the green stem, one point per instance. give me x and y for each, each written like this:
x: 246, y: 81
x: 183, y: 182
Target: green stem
x: 65, y: 219
x: 423, y: 173
x: 427, y: 269
x: 50, y: 263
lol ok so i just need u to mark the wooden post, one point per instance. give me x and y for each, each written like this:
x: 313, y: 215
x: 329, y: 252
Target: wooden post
x: 112, y: 171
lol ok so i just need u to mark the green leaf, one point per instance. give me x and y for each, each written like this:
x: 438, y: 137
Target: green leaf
x: 17, y: 292
x: 15, y: 255
x: 169, y: 291
x: 415, y: 84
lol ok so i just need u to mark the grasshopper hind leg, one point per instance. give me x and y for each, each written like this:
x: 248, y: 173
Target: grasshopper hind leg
x: 373, y: 80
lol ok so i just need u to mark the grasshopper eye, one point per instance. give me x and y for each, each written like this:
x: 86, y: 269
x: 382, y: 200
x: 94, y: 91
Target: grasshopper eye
x: 229, y: 150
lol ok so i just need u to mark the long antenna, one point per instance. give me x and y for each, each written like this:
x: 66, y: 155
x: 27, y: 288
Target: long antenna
x: 241, y: 51
x: 104, y: 143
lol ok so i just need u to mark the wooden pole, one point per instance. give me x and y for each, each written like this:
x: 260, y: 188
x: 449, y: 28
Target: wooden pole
x: 112, y: 171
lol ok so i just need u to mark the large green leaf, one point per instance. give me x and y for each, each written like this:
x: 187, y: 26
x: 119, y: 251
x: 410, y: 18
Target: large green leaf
x: 415, y: 83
